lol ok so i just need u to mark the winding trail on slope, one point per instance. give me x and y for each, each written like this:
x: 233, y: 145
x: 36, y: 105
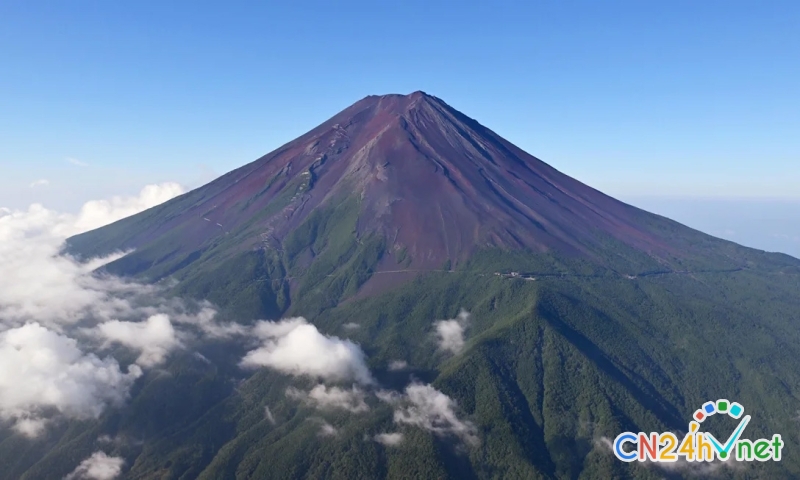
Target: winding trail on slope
x: 532, y: 277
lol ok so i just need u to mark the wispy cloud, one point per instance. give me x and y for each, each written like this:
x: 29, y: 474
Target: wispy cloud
x: 268, y: 415
x: 784, y: 236
x: 119, y: 440
x: 42, y: 182
x: 426, y: 407
x: 324, y: 397
x: 327, y: 430
x: 397, y: 365
x: 76, y: 162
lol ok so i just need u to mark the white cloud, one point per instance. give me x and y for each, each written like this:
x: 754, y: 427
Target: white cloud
x: 42, y: 182
x: 271, y: 330
x: 118, y: 440
x: 351, y: 326
x: 201, y: 357
x: 39, y: 284
x: 154, y: 338
x: 97, y: 467
x: 30, y: 427
x: 397, y: 365
x: 389, y: 439
x: 76, y: 162
x: 604, y: 442
x: 323, y: 398
x: 41, y: 370
x: 389, y: 396
x: 327, y: 430
x: 295, y: 347
x: 97, y: 213
x: 425, y: 407
x: 451, y: 332
x: 268, y: 415
x: 205, y: 320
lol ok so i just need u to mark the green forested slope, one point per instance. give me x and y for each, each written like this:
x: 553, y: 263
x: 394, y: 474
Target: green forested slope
x: 552, y: 369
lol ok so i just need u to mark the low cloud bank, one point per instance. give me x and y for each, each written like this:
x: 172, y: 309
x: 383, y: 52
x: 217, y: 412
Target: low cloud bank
x: 53, y: 308
x: 58, y: 319
x: 42, y: 370
x: 39, y: 284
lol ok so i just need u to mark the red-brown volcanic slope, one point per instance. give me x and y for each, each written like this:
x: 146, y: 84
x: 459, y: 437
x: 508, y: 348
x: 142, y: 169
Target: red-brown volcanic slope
x: 439, y: 183
x: 429, y: 178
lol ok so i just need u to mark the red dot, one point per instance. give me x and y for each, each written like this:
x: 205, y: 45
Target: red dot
x: 699, y: 416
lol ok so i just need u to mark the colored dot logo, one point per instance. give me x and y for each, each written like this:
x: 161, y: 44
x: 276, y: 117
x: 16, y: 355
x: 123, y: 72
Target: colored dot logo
x: 734, y: 410
x: 700, y: 446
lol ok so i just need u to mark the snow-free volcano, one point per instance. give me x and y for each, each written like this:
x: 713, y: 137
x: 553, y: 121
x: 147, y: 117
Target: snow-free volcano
x: 380, y: 224
x: 433, y: 184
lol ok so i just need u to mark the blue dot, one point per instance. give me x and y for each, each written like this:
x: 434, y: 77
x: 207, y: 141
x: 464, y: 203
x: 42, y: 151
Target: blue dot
x: 709, y: 408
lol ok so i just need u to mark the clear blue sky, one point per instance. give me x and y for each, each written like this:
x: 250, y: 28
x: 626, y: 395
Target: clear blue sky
x: 677, y: 98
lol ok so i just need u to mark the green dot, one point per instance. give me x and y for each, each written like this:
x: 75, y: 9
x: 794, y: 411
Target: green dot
x: 722, y: 406
x: 723, y: 455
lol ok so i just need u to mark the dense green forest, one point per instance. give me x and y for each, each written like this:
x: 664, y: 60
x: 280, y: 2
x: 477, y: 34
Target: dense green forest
x: 554, y: 366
